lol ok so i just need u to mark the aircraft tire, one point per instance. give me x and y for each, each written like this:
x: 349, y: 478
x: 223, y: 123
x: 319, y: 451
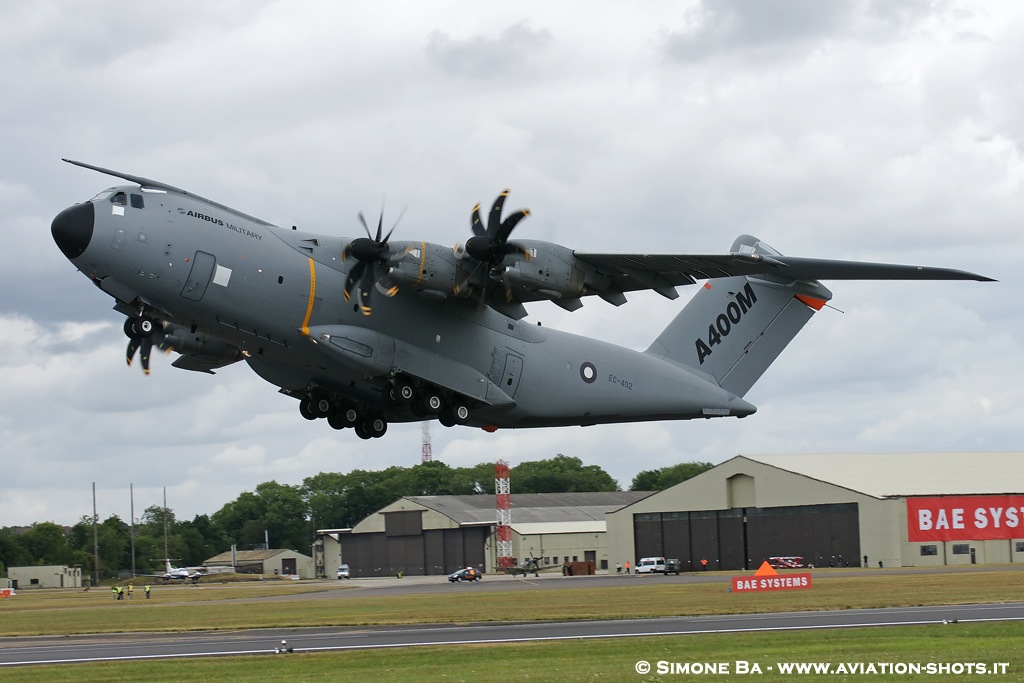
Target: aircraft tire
x: 145, y: 325
x: 401, y: 391
x: 305, y: 409
x: 320, y: 404
x: 361, y: 431
x: 430, y: 403
x: 376, y: 427
x: 453, y: 414
x: 348, y: 416
x: 336, y: 420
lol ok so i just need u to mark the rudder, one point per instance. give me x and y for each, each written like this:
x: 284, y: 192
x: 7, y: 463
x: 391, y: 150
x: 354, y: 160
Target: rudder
x: 735, y: 327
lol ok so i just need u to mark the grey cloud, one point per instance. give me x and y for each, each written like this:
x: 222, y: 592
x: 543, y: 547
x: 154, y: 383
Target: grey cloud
x: 479, y: 57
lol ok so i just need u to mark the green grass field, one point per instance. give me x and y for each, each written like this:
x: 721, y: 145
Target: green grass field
x: 245, y: 605
x: 592, y: 660
x: 288, y: 604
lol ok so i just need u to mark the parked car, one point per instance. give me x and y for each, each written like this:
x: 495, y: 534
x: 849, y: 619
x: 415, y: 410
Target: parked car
x: 465, y: 574
x: 786, y: 561
x: 673, y: 566
x: 650, y: 565
x: 343, y: 572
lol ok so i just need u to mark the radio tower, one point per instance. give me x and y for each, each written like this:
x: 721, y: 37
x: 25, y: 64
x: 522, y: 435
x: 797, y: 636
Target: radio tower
x: 428, y: 456
x: 503, y: 506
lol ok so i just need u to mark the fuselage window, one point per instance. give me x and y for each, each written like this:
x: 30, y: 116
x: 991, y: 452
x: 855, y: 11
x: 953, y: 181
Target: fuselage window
x: 119, y: 199
x: 137, y: 201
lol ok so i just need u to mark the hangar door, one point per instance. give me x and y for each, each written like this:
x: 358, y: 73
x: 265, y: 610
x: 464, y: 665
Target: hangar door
x: 742, y: 538
x: 405, y: 546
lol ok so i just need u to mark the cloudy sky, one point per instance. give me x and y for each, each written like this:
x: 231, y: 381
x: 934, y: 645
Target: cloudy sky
x: 882, y: 131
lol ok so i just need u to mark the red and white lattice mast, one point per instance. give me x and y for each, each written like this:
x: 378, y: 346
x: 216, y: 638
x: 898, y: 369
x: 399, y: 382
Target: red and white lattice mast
x: 503, y: 507
x: 428, y: 455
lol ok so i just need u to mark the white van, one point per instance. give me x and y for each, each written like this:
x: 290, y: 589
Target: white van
x: 651, y: 565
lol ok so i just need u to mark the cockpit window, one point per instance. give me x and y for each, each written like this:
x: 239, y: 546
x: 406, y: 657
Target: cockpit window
x: 119, y: 199
x: 137, y: 201
x: 101, y: 196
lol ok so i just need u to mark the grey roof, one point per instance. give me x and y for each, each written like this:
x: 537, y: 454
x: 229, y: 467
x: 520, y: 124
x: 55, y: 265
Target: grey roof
x: 531, y: 507
x: 885, y: 475
x: 249, y: 556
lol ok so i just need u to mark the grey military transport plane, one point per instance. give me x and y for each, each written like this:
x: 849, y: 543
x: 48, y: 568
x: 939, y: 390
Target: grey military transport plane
x: 371, y: 330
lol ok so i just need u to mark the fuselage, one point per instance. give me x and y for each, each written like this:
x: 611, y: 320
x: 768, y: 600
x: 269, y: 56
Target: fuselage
x: 228, y: 281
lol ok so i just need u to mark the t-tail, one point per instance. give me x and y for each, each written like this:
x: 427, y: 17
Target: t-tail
x: 735, y: 327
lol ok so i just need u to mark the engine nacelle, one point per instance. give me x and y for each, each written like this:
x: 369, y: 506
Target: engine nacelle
x: 178, y: 339
x: 549, y: 271
x: 428, y: 266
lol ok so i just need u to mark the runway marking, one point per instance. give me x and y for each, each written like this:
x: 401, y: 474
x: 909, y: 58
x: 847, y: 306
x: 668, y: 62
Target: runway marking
x: 498, y: 641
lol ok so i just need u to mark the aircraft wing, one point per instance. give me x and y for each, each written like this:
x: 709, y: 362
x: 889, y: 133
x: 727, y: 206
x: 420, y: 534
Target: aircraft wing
x: 664, y: 272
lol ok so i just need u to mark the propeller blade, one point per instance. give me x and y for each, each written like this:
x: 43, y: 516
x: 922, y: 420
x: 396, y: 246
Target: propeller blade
x: 386, y: 285
x: 494, y: 219
x: 133, y: 346
x: 397, y: 221
x: 509, y: 224
x: 476, y: 224
x: 463, y: 286
x: 146, y: 349
x: 365, y: 226
x: 353, y: 276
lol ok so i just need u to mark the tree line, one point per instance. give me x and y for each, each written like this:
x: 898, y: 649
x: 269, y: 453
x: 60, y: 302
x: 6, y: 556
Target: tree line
x: 289, y: 515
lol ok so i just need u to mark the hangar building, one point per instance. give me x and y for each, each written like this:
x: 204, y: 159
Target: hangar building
x: 266, y: 562
x: 909, y: 509
x: 423, y: 535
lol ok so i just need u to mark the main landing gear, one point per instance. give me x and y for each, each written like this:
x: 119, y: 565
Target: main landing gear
x: 342, y: 414
x: 421, y: 399
x: 425, y: 400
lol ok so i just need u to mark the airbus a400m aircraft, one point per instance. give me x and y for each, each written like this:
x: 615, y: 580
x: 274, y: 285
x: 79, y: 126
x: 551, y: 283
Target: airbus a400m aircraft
x: 370, y: 330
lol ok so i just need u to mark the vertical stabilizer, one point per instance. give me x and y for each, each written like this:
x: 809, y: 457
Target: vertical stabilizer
x: 735, y: 327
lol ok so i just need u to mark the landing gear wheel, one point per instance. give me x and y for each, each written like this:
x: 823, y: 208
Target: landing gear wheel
x: 144, y: 325
x: 400, y: 391
x: 375, y: 427
x: 345, y: 416
x: 320, y: 404
x: 361, y: 431
x: 430, y: 403
x: 336, y: 420
x: 454, y: 414
x: 139, y: 327
x: 305, y: 409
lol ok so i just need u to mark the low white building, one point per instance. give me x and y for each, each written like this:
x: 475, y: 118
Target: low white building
x: 45, y: 576
x: 265, y: 562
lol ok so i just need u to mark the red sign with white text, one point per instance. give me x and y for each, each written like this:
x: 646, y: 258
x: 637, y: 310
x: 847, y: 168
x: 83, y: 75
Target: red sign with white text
x: 780, y: 582
x: 965, y: 518
x: 767, y: 579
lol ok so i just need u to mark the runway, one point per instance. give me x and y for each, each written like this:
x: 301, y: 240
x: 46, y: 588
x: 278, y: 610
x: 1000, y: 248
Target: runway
x: 23, y: 651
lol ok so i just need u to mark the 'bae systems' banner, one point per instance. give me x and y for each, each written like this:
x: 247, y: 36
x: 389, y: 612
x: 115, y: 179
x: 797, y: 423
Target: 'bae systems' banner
x: 965, y: 518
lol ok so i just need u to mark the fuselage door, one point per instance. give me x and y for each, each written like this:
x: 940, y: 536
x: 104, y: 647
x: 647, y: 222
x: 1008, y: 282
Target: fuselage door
x: 513, y: 370
x: 199, y: 277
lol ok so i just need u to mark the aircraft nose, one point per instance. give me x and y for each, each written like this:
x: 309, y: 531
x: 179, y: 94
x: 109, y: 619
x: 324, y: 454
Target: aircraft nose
x: 72, y: 229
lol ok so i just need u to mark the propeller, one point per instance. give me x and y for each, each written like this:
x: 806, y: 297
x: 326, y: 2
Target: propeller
x: 374, y: 256
x: 490, y: 245
x: 143, y: 333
